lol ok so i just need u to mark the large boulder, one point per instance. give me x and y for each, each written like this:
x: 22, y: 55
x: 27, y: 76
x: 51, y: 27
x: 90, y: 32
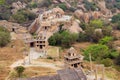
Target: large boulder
x: 86, y: 17
x: 17, y: 6
x: 78, y: 13
x: 58, y: 10
x: 96, y: 14
x: 75, y: 28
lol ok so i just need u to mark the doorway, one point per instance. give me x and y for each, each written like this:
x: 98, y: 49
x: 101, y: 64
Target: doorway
x: 13, y: 29
x: 32, y: 44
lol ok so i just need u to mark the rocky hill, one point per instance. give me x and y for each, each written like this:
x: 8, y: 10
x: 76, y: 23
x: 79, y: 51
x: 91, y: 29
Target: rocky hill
x: 24, y: 11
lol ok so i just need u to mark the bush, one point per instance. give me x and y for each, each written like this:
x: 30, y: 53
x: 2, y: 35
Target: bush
x: 89, y: 33
x: 90, y: 5
x: 23, y: 16
x: 96, y: 23
x: 107, y: 62
x: 45, y: 3
x: 32, y: 5
x: 117, y: 25
x: 72, y: 9
x: 4, y: 37
x: 116, y: 18
x: 117, y: 61
x: 117, y: 5
x: 2, y: 2
x: 114, y: 54
x: 105, y: 40
x: 49, y: 57
x: 52, y: 41
x: 19, y: 70
x: 107, y: 30
x: 20, y: 18
x: 63, y: 6
x: 82, y: 37
x: 97, y: 36
x: 97, y: 52
x: 63, y: 38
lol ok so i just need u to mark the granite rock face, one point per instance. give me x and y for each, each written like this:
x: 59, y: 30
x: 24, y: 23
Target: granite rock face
x: 17, y: 6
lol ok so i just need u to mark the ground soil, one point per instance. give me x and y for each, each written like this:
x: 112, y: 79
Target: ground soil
x: 8, y: 55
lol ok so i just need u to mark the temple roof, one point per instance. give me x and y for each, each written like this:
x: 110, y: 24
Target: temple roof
x: 64, y: 74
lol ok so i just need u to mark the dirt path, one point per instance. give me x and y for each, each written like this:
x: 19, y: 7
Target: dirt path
x: 31, y: 61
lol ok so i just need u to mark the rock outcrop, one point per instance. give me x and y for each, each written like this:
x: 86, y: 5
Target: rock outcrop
x: 17, y: 6
x: 86, y: 17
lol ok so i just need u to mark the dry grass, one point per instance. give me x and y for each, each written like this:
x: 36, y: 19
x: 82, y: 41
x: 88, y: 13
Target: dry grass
x: 81, y: 46
x: 112, y: 73
x: 38, y: 71
x: 53, y: 51
x: 9, y: 55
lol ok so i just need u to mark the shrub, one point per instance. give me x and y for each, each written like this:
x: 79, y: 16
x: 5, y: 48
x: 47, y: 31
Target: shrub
x: 117, y: 5
x: 32, y: 5
x: 107, y: 62
x: 96, y: 23
x: 117, y: 61
x: 49, y: 57
x: 63, y: 6
x: 52, y: 41
x: 23, y: 16
x: 116, y: 18
x: 45, y: 3
x: 107, y: 30
x: 89, y: 33
x: 19, y: 70
x: 20, y: 18
x: 63, y: 38
x: 90, y: 5
x: 82, y: 37
x: 72, y: 9
x: 117, y: 25
x: 2, y: 2
x: 97, y: 36
x: 114, y: 54
x: 97, y: 52
x: 105, y: 40
x: 4, y: 37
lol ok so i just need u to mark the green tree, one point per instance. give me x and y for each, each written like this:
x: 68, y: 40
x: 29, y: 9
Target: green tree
x: 68, y: 38
x: 23, y: 16
x: 63, y: 38
x: 19, y: 70
x: 19, y: 18
x: 97, y: 52
x: 52, y: 41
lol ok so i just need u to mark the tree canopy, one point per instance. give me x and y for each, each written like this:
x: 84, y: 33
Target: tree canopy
x: 97, y: 52
x: 64, y: 38
x: 19, y: 70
